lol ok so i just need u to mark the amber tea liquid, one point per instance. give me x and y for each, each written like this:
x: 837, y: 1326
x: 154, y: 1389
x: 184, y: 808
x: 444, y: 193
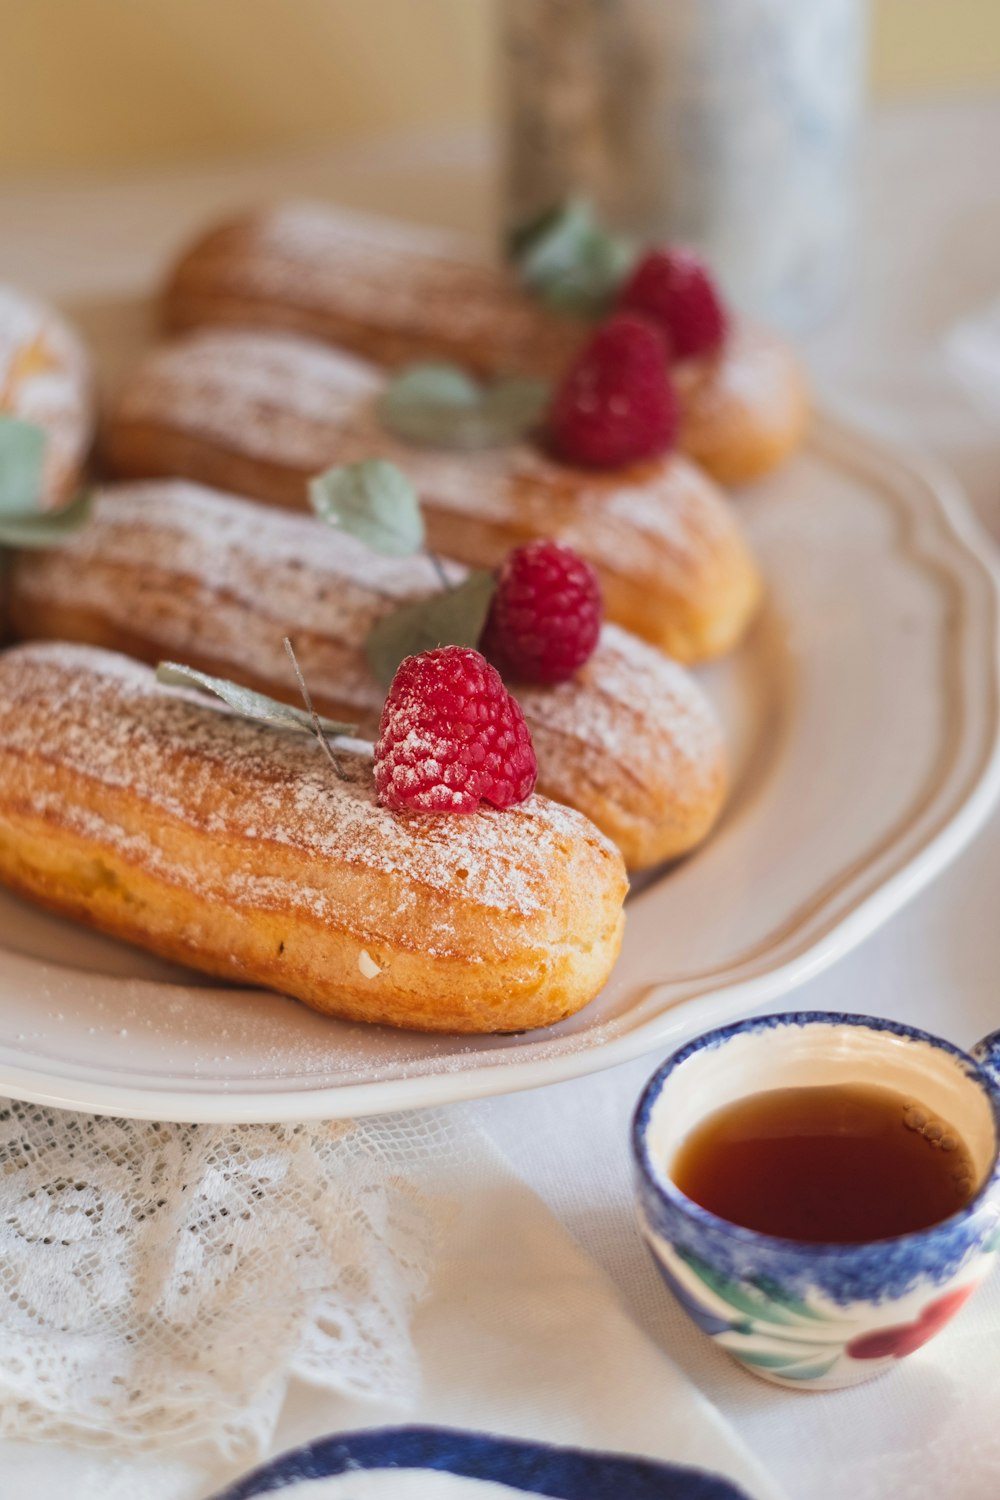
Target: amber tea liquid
x: 837, y: 1164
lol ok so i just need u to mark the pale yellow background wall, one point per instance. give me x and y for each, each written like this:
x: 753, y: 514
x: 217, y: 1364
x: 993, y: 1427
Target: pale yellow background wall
x: 96, y: 84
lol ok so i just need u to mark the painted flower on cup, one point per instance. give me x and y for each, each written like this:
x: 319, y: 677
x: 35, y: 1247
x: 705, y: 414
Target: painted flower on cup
x: 903, y: 1338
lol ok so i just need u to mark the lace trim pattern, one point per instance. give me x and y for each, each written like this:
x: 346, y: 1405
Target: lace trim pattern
x: 161, y: 1283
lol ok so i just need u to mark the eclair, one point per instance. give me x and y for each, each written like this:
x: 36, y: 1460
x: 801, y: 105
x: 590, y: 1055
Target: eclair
x: 391, y: 293
x: 45, y: 379
x: 171, y: 570
x: 396, y: 295
x: 745, y: 410
x: 258, y: 413
x: 236, y: 849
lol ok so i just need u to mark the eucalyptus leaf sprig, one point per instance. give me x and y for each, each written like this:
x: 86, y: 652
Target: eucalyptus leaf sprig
x: 23, y: 521
x: 441, y: 406
x: 258, y: 707
x: 314, y: 718
x: 570, y: 260
x: 454, y: 617
x: 376, y: 502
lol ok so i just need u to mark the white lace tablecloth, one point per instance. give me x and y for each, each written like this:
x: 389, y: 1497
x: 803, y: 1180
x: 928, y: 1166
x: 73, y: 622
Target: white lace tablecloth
x: 182, y: 1286
x: 163, y: 1284
x: 929, y: 260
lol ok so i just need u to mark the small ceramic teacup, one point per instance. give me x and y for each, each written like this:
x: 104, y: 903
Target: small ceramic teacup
x: 818, y: 1316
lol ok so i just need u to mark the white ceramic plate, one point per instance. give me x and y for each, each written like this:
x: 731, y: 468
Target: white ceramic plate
x: 863, y: 719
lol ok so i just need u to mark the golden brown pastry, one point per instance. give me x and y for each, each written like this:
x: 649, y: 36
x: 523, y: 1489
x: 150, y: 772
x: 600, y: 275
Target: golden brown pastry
x: 396, y: 294
x: 45, y: 379
x: 259, y: 413
x: 170, y: 570
x: 390, y: 292
x: 235, y: 849
x: 745, y: 411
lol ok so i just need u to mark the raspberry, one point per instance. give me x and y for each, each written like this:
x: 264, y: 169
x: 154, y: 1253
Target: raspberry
x: 451, y: 736
x: 546, y: 614
x: 675, y: 290
x: 616, y: 404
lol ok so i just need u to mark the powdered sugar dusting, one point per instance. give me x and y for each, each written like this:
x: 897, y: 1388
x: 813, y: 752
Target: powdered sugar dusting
x: 303, y: 407
x: 377, y: 284
x: 193, y: 571
x: 315, y: 256
x: 45, y: 379
x: 283, y: 396
x: 219, y: 581
x: 104, y: 718
x: 629, y: 712
x: 755, y: 368
x: 315, y: 231
x: 451, y: 736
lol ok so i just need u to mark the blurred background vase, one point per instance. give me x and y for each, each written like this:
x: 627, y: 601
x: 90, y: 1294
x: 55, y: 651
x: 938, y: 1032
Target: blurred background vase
x: 729, y: 125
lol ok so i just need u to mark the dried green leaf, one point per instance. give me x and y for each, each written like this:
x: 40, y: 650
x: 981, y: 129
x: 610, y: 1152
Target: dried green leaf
x: 514, y: 407
x: 453, y: 618
x: 247, y: 703
x: 439, y: 406
x: 436, y: 383
x: 570, y: 260
x: 548, y: 245
x: 47, y: 528
x: 22, y: 457
x: 373, y: 501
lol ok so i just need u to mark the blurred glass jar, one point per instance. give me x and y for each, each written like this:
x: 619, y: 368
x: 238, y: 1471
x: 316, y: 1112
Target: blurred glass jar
x: 727, y: 125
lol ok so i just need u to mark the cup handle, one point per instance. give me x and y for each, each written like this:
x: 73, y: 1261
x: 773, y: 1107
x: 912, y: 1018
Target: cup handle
x: 987, y: 1055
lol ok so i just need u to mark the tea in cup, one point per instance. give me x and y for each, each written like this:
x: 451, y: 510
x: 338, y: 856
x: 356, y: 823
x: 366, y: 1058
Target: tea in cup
x: 820, y: 1191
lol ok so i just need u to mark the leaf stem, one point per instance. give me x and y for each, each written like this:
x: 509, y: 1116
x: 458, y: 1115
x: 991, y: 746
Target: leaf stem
x: 439, y: 569
x: 307, y: 700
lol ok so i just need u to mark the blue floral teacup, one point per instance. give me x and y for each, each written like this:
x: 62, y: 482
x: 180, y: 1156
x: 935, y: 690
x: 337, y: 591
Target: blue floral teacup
x: 818, y: 1316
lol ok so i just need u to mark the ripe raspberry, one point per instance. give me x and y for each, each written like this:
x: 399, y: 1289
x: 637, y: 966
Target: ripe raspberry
x: 546, y: 614
x: 675, y: 290
x: 451, y: 736
x: 616, y: 404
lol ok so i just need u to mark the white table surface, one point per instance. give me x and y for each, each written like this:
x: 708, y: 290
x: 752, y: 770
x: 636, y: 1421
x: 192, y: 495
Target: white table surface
x: 929, y: 255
